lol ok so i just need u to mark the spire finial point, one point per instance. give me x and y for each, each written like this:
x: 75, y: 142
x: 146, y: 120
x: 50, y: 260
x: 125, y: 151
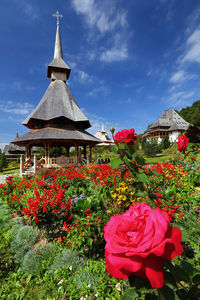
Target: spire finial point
x: 57, y: 15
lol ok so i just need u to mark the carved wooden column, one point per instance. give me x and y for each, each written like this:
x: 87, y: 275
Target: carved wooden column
x: 46, y: 154
x: 90, y: 155
x: 76, y: 153
x: 84, y: 151
x: 35, y: 163
x: 27, y: 152
x: 21, y: 165
x: 67, y: 150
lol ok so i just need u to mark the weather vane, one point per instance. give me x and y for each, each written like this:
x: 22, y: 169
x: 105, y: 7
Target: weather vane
x: 57, y: 15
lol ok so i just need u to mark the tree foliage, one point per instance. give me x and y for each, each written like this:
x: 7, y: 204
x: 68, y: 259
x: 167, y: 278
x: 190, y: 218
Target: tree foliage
x: 193, y: 133
x: 191, y: 113
x: 3, y: 160
x: 151, y: 147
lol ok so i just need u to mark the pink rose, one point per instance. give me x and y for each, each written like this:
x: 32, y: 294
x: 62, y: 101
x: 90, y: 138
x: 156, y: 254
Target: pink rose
x: 182, y: 143
x: 138, y: 241
x: 127, y: 136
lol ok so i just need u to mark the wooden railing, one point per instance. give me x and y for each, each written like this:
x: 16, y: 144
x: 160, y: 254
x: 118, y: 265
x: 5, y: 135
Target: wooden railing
x: 27, y: 164
x: 62, y: 161
x: 40, y: 163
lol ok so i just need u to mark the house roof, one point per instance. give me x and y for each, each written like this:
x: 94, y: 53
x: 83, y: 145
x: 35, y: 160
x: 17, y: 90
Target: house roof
x: 171, y: 119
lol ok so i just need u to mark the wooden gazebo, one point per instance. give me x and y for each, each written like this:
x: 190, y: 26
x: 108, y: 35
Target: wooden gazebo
x: 57, y: 120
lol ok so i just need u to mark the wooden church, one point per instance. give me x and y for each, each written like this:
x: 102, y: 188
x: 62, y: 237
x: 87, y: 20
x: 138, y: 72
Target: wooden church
x: 170, y: 123
x: 57, y: 120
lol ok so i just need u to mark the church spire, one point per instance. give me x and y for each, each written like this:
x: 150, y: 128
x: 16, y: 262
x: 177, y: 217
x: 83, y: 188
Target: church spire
x: 58, y: 46
x: 58, y: 69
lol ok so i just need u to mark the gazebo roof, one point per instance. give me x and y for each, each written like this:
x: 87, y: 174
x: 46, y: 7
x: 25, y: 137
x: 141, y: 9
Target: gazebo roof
x: 56, y: 135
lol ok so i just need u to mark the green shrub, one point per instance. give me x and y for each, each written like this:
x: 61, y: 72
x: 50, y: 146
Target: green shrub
x: 23, y: 240
x: 35, y: 258
x: 3, y: 160
x: 151, y: 147
x: 66, y: 258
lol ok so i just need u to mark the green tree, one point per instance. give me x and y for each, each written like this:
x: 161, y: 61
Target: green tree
x: 165, y: 144
x: 191, y: 113
x: 3, y: 160
x: 151, y: 147
x: 193, y: 133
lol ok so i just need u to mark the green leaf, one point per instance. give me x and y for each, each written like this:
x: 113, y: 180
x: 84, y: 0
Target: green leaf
x: 151, y: 297
x: 182, y: 294
x: 129, y: 294
x: 188, y: 267
x: 177, y: 271
x: 114, y: 149
x: 194, y: 293
x: 142, y: 178
x: 170, y: 279
x: 115, y: 162
x: 167, y: 292
x: 196, y: 279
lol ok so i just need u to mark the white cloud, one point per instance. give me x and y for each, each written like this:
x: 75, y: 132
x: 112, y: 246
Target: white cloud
x: 16, y: 85
x: 104, y: 16
x: 16, y: 108
x: 28, y: 9
x: 192, y: 52
x: 96, y: 91
x: 2, y: 145
x: 84, y: 77
x: 179, y: 99
x: 181, y: 76
x: 116, y: 53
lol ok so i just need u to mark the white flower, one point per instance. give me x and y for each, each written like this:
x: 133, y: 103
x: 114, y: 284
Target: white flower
x: 118, y: 286
x: 89, y: 285
x: 70, y: 268
x: 96, y: 295
x: 60, y: 282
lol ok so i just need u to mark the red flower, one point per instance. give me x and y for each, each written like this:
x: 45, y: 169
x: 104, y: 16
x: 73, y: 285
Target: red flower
x: 127, y: 136
x: 138, y: 241
x: 182, y: 143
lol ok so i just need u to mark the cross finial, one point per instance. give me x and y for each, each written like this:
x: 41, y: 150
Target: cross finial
x: 57, y: 15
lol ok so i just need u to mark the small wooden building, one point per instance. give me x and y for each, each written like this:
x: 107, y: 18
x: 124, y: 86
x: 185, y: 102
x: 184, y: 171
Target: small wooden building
x: 57, y: 120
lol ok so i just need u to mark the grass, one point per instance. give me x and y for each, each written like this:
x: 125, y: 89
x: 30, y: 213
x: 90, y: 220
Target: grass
x: 10, y: 171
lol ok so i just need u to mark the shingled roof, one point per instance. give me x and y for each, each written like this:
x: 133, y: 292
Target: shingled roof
x: 57, y: 101
x: 171, y: 119
x: 56, y: 134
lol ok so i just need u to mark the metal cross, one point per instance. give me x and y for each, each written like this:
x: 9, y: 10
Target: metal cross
x: 57, y: 15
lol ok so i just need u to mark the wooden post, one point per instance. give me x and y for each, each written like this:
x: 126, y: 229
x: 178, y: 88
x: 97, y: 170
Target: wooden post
x: 21, y: 165
x: 35, y: 163
x: 27, y: 152
x: 67, y: 150
x: 76, y: 153
x: 46, y: 154
x: 84, y: 151
x: 90, y: 157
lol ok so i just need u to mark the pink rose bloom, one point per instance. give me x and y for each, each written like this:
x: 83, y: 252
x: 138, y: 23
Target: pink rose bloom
x: 182, y: 143
x: 127, y: 136
x: 138, y: 241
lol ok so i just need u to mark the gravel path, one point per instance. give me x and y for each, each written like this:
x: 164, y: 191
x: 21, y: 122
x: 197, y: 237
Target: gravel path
x: 3, y: 177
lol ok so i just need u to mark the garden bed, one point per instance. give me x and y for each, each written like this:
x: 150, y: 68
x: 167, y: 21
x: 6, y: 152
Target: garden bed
x: 52, y: 231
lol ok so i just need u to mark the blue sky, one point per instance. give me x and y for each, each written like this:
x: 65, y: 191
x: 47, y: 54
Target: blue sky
x: 130, y: 59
